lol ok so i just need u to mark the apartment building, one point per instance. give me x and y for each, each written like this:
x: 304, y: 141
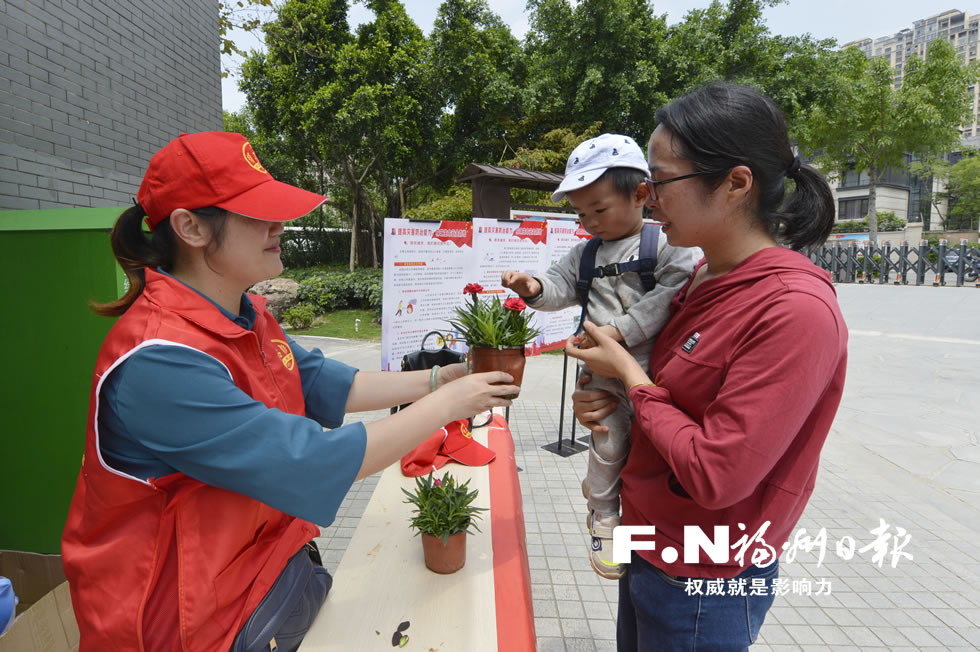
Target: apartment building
x: 899, y: 190
x: 958, y: 27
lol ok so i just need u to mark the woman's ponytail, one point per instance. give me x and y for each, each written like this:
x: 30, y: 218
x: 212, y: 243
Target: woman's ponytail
x: 135, y: 251
x: 807, y: 218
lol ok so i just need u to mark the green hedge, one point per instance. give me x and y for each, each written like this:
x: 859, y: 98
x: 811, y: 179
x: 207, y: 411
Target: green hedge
x: 329, y: 291
x: 311, y: 246
x: 887, y: 221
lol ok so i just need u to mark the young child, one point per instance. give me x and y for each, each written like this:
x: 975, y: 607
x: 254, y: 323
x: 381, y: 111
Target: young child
x: 604, y: 183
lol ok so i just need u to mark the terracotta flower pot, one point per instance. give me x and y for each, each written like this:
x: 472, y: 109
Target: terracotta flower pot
x: 444, y: 558
x: 489, y: 358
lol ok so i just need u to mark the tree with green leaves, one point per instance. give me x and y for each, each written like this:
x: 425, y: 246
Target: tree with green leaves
x: 302, y: 47
x: 720, y: 41
x: 380, y: 113
x: 246, y: 15
x: 870, y: 125
x: 385, y: 117
x: 936, y: 169
x: 361, y: 105
x: 594, y: 61
x: 478, y: 73
x: 962, y: 194
x: 731, y: 41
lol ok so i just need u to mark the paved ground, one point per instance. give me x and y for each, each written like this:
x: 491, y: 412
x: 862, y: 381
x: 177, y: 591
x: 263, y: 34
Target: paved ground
x: 905, y: 449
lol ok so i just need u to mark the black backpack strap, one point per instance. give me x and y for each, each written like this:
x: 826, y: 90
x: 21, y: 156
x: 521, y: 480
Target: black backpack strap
x: 649, y: 241
x: 586, y: 271
x: 645, y: 263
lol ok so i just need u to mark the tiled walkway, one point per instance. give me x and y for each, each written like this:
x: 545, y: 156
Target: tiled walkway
x: 904, y: 449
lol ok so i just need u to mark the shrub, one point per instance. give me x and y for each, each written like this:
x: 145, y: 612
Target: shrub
x: 851, y: 226
x: 887, y: 221
x: 299, y: 316
x: 330, y: 291
x: 457, y: 205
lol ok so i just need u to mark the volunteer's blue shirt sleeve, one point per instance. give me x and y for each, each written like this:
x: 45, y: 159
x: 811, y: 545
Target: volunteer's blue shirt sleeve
x: 326, y: 384
x: 171, y: 408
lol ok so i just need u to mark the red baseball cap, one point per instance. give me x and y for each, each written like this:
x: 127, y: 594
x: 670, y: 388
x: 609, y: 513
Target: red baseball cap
x: 218, y: 168
x: 451, y: 443
x: 461, y: 447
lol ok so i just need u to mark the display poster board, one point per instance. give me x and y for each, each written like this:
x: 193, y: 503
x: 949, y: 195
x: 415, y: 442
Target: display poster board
x: 501, y: 245
x: 424, y: 264
x: 427, y: 265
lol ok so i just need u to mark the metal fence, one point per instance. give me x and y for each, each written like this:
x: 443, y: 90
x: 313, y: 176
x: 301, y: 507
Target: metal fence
x: 901, y: 265
x: 309, y: 246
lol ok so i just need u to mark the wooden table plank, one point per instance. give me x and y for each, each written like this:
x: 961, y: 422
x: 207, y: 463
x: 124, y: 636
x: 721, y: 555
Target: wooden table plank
x: 382, y: 579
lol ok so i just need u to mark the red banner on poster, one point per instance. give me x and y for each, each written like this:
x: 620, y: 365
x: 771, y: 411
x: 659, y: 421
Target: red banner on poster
x: 535, y: 231
x: 459, y: 233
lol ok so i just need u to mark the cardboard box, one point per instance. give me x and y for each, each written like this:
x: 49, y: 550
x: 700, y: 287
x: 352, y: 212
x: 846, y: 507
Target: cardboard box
x: 45, y: 619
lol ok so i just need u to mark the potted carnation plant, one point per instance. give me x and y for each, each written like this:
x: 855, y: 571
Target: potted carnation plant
x: 495, y: 331
x: 443, y: 515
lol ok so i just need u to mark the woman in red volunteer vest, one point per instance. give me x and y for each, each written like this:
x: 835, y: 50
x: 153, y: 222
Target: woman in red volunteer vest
x: 207, y: 469
x: 745, y: 378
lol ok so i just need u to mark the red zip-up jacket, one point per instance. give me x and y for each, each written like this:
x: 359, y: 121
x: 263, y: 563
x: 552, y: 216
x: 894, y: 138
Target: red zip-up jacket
x: 209, y: 553
x: 749, y: 373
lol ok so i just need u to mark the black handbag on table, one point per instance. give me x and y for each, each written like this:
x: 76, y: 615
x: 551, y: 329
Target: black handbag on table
x: 427, y: 358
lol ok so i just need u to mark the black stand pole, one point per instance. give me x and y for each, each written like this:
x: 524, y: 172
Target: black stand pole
x: 572, y: 447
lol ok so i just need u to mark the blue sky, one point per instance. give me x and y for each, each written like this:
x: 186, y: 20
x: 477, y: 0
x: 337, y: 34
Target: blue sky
x: 844, y: 20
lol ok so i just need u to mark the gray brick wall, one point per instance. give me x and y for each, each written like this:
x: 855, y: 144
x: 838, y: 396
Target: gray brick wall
x: 89, y: 89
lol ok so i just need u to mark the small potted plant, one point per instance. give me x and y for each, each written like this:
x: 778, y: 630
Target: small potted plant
x: 495, y: 331
x: 443, y: 515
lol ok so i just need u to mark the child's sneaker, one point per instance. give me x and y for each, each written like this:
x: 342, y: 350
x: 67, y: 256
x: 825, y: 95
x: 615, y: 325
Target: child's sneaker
x: 601, y: 553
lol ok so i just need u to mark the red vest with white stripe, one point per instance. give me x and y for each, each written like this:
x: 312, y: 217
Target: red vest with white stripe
x: 229, y: 548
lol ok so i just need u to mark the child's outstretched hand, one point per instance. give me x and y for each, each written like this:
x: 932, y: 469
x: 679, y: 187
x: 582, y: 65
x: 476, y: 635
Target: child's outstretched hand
x: 523, y: 284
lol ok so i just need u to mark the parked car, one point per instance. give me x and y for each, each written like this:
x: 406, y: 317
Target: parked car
x: 971, y: 267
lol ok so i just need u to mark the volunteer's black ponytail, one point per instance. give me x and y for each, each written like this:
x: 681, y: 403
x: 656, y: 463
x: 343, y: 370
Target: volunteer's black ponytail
x: 136, y: 250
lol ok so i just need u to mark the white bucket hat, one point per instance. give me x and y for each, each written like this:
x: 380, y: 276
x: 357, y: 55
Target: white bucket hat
x: 592, y: 158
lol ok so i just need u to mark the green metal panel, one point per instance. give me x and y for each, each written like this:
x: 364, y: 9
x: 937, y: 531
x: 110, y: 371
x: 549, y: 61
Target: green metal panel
x: 54, y: 262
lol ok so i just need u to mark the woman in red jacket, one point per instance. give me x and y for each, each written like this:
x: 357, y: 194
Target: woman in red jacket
x: 745, y: 378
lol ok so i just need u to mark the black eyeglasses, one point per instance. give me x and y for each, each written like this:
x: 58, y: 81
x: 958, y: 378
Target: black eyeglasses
x: 652, y: 185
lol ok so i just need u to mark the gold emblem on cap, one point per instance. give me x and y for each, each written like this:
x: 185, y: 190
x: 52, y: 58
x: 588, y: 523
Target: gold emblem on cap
x: 251, y: 158
x: 465, y: 431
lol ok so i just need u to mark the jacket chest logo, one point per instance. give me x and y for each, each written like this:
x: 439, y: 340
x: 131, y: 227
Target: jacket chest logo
x: 691, y: 342
x: 285, y: 354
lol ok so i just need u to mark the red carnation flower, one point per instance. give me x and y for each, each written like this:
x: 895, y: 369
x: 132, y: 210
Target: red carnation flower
x: 473, y: 288
x: 437, y: 482
x: 515, y: 303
